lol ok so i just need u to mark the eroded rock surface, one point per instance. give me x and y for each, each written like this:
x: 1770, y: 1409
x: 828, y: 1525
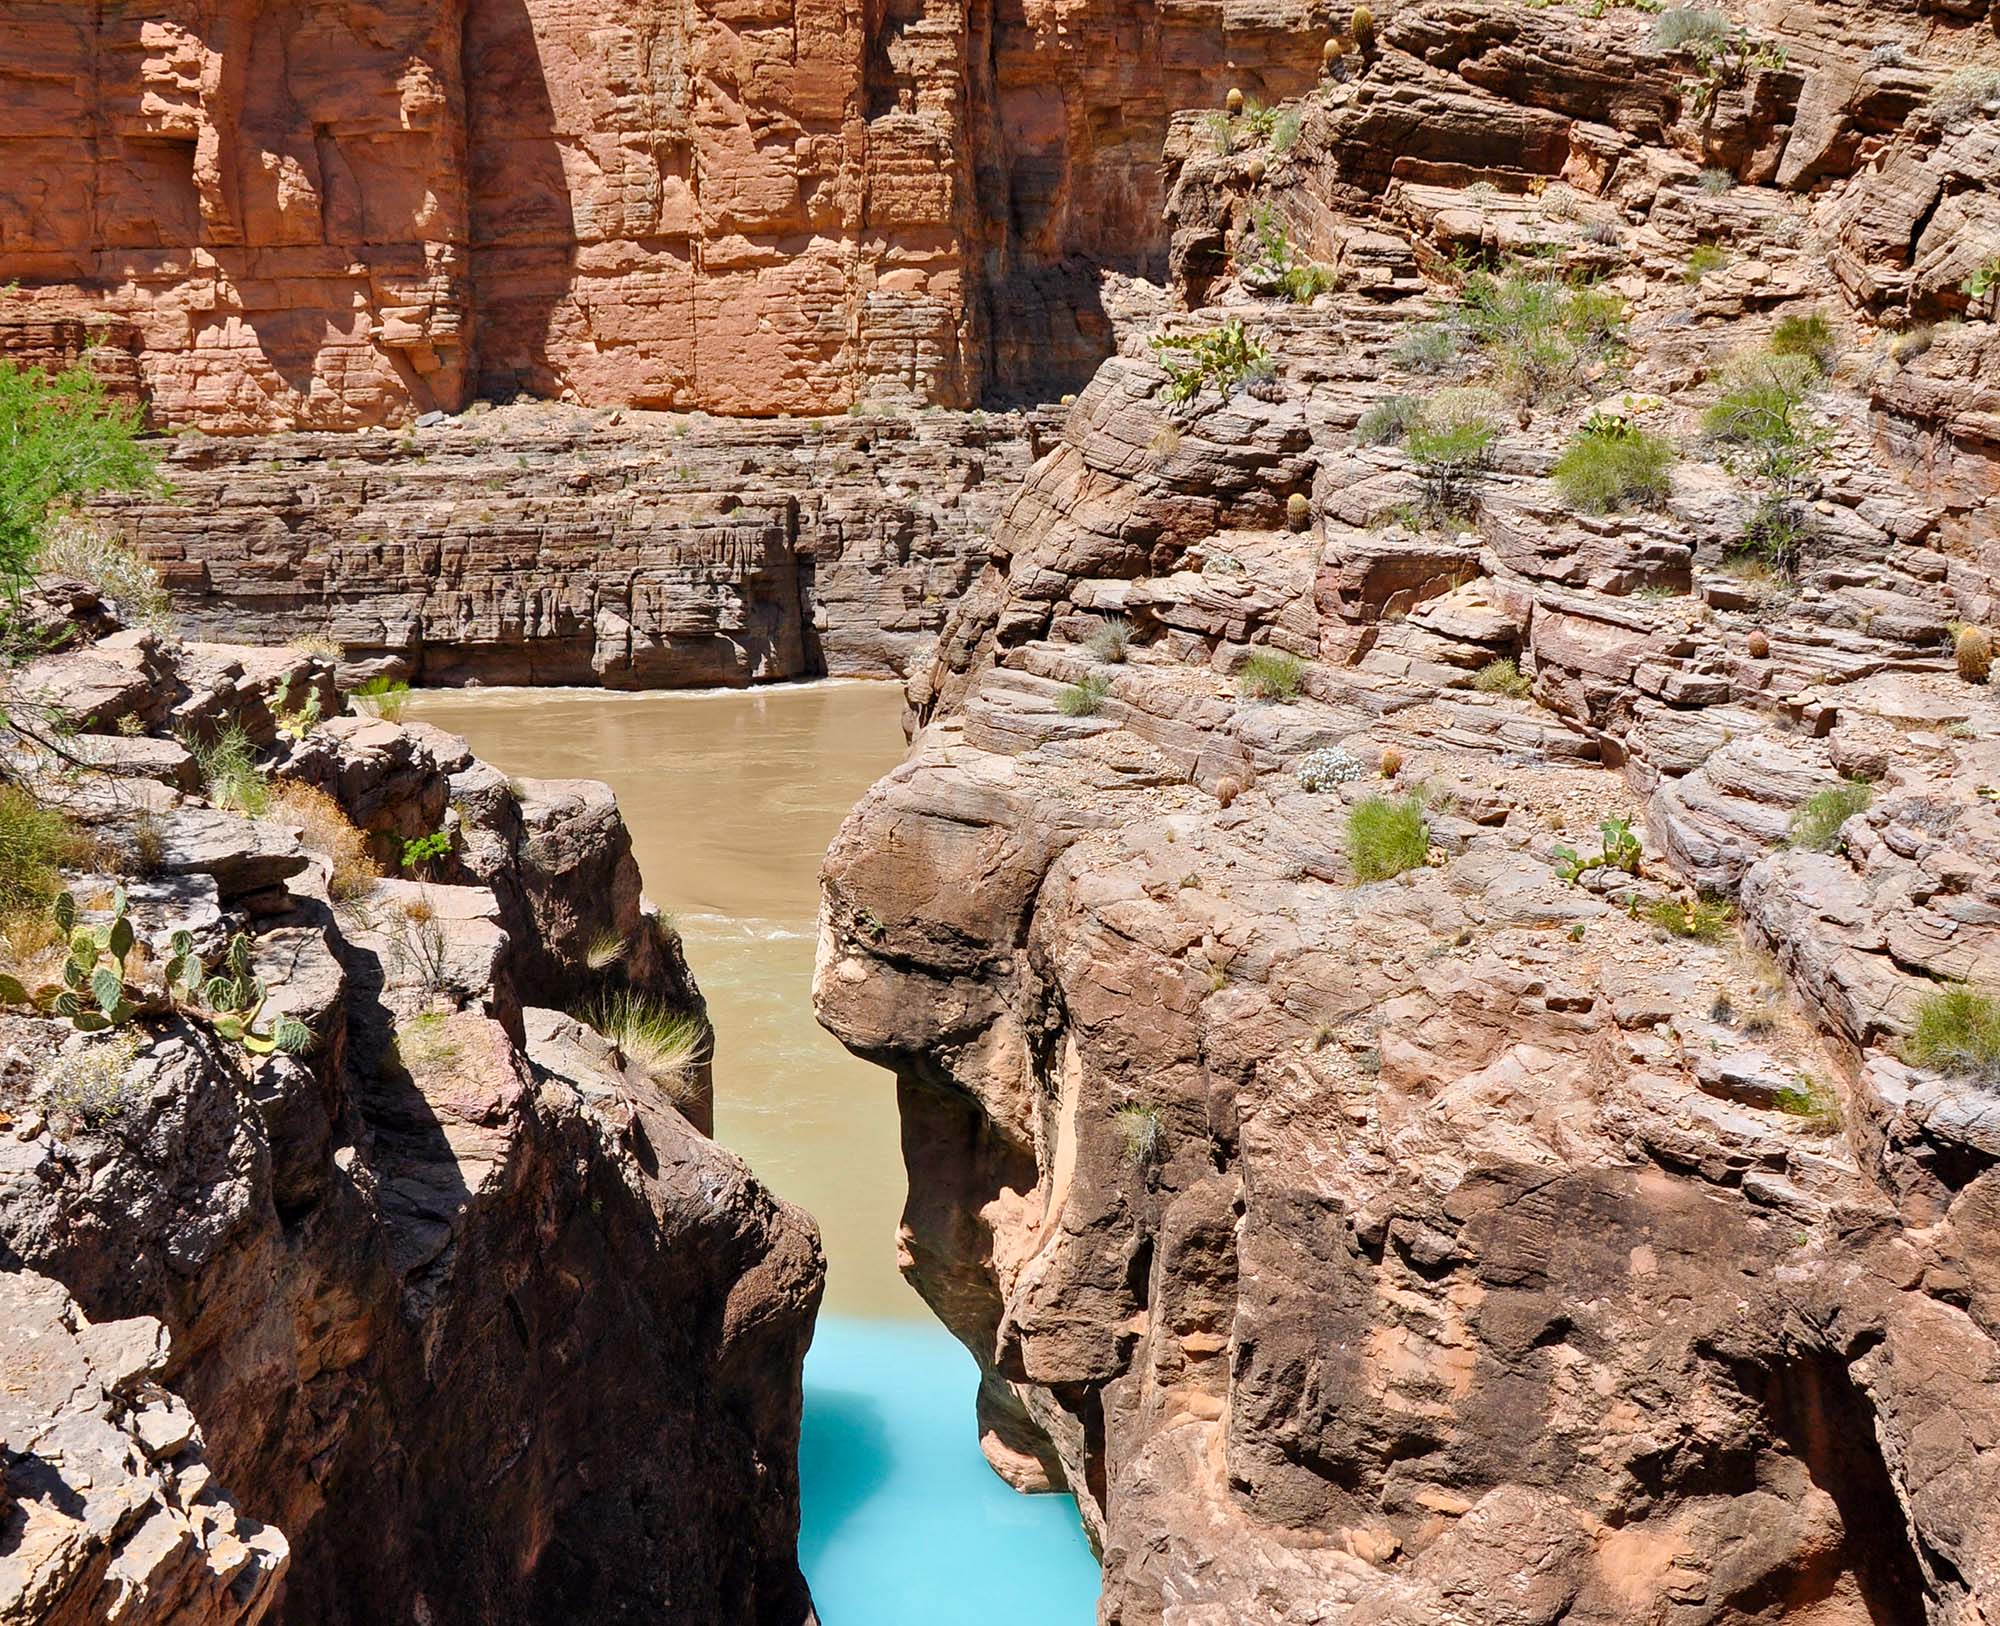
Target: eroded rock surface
x: 454, y: 1314
x: 1471, y: 1246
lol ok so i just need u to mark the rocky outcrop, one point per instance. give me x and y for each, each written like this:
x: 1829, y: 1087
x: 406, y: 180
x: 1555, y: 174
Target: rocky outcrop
x: 451, y: 1312
x: 537, y: 545
x: 276, y: 216
x: 1520, y: 1238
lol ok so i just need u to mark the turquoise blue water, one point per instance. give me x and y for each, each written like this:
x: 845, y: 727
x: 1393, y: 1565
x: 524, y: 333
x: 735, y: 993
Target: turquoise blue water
x: 905, y: 1525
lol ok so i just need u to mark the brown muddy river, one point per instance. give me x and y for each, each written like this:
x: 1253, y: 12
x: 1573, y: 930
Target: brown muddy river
x: 732, y: 798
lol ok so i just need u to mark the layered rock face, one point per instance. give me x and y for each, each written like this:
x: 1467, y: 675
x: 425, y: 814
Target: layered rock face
x: 1527, y: 1237
x: 454, y: 1315
x: 541, y: 545
x: 312, y: 216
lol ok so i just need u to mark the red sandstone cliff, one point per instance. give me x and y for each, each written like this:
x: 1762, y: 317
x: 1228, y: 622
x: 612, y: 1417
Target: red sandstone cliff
x: 324, y: 216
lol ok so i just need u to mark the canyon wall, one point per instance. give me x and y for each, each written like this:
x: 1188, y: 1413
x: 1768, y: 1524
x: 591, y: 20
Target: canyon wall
x: 1533, y: 1224
x: 451, y: 1313
x: 272, y: 214
x: 541, y: 545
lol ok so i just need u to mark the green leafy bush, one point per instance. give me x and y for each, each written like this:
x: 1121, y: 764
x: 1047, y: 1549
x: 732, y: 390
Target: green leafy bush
x: 1502, y: 677
x: 1816, y: 825
x: 420, y: 851
x: 1544, y: 335
x: 1223, y: 358
x: 61, y: 440
x: 1271, y: 674
x: 1450, y: 459
x: 1386, y: 836
x: 1763, y: 425
x: 1610, y: 464
x: 1810, y: 336
x: 1388, y: 420
x: 1958, y: 1031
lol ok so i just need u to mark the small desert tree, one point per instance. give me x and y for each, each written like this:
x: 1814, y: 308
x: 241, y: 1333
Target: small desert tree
x: 61, y: 440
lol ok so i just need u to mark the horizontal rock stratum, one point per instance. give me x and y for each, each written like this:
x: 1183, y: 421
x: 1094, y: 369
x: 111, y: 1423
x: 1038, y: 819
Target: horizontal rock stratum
x: 332, y: 215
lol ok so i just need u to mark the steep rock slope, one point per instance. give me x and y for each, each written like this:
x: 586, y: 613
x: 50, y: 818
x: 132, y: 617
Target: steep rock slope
x: 325, y: 216
x: 457, y: 1315
x: 1520, y: 1238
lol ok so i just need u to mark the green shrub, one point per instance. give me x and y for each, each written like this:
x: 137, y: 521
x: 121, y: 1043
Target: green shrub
x: 1450, y: 460
x: 1810, y: 336
x: 1610, y: 464
x: 1702, y: 259
x: 1762, y: 422
x: 1543, y: 334
x: 1223, y: 358
x: 1817, y: 823
x: 61, y: 440
x: 230, y: 772
x: 1502, y: 677
x: 1388, y: 420
x: 1271, y: 674
x: 1706, y: 920
x: 1300, y: 280
x: 1957, y: 1031
x: 1386, y: 836
x: 1084, y: 697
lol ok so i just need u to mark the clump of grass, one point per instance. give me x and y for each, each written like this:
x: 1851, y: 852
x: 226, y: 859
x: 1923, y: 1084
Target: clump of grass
x: 1812, y: 1101
x: 1817, y: 824
x: 386, y: 697
x: 35, y: 841
x: 1763, y: 425
x: 78, y: 549
x: 92, y: 1084
x: 230, y: 773
x: 1957, y: 1031
x: 1111, y: 640
x: 1450, y: 458
x: 325, y: 828
x: 1810, y: 335
x: 1706, y: 920
x: 606, y: 949
x: 1690, y: 27
x: 1084, y: 697
x: 1141, y: 1132
x: 1717, y: 181
x: 1701, y: 260
x: 664, y: 1044
x: 1610, y: 464
x: 1503, y: 676
x: 1271, y: 674
x: 1386, y: 836
x: 1388, y: 420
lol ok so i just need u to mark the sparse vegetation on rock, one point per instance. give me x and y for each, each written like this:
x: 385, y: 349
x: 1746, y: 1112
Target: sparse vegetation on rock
x: 1271, y: 674
x: 1816, y: 825
x: 1386, y: 836
x: 1084, y: 697
x: 1612, y: 464
x: 1957, y: 1030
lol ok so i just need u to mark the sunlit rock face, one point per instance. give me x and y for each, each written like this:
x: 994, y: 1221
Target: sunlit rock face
x: 293, y: 215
